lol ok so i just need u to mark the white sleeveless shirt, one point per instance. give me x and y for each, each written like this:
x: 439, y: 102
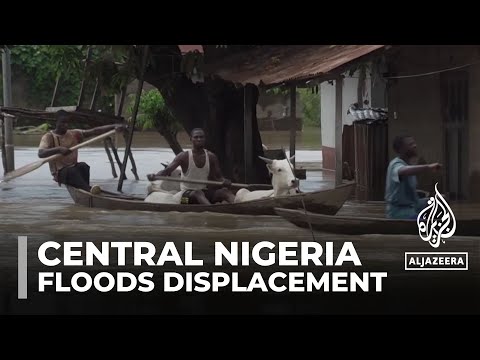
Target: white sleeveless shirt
x: 195, y: 173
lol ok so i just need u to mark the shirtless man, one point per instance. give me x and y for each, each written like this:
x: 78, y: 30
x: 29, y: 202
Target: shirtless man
x: 199, y: 164
x: 67, y: 169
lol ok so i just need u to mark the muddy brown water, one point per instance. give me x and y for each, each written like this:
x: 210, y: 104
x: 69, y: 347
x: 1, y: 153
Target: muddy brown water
x: 34, y: 206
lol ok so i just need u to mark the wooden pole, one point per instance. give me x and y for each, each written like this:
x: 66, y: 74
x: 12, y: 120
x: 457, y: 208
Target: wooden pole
x: 7, y: 78
x: 122, y: 101
x: 130, y: 155
x: 134, y: 116
x: 115, y: 153
x: 9, y: 146
x: 35, y: 165
x: 94, y: 96
x: 8, y: 119
x: 338, y: 130
x: 119, y: 102
x: 2, y: 145
x: 247, y: 132
x: 113, y: 144
x: 106, y: 143
x: 293, y: 119
x: 54, y: 96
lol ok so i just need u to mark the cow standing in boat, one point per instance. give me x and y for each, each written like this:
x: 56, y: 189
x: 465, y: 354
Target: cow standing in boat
x: 283, y: 181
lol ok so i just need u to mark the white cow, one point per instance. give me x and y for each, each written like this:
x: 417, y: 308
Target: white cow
x: 283, y: 181
x: 161, y: 197
x: 165, y: 192
x: 166, y: 186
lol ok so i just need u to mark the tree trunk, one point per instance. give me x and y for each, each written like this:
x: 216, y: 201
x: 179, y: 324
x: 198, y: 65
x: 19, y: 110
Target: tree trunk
x: 172, y: 141
x: 217, y: 106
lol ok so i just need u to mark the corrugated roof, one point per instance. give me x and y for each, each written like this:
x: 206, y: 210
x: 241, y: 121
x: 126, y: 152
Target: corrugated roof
x: 278, y: 64
x: 187, y: 48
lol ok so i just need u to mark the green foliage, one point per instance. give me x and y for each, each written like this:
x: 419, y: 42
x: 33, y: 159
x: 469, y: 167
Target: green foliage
x: 310, y: 103
x: 115, y: 66
x: 153, y: 113
x: 311, y: 107
x: 41, y: 65
x: 45, y: 127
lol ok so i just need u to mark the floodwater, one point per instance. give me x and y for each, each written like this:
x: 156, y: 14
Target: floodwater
x: 149, y: 151
x: 34, y: 206
x: 34, y: 197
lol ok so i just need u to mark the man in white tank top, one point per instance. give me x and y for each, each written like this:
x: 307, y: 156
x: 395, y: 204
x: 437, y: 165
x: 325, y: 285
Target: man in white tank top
x: 199, y: 164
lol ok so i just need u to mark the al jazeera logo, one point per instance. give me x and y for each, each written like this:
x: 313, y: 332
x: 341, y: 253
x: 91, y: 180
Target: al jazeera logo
x: 436, y: 223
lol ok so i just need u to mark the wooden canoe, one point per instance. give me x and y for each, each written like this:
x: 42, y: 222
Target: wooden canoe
x: 324, y: 201
x: 359, y: 225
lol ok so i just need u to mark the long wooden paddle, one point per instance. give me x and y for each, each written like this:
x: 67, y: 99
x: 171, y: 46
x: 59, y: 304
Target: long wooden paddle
x: 210, y: 182
x: 33, y: 166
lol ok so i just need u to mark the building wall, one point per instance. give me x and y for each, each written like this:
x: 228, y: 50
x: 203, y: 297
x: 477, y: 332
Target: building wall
x: 415, y: 107
x: 379, y: 92
x: 474, y: 134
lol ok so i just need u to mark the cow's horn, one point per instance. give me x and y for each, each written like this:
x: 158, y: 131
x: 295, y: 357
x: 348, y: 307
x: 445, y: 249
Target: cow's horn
x: 268, y: 161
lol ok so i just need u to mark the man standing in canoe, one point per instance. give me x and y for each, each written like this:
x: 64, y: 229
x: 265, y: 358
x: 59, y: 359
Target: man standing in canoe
x: 66, y: 169
x: 401, y: 184
x: 199, y: 164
